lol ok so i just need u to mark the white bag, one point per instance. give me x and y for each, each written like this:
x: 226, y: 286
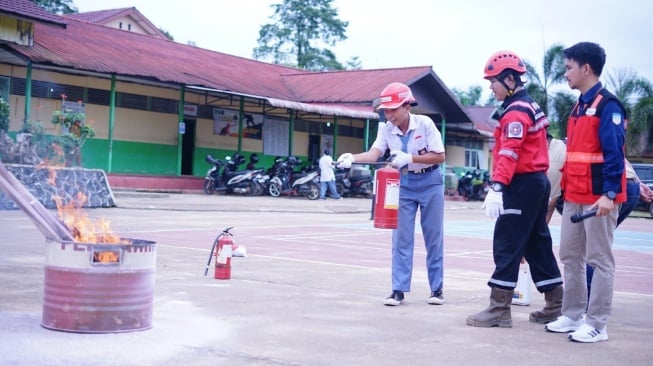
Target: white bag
x: 522, y: 294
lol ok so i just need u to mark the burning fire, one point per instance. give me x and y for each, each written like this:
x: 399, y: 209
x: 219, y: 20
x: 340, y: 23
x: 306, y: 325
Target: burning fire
x: 83, y: 229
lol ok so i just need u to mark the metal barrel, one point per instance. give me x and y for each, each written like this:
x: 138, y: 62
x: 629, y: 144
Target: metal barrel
x: 99, y: 288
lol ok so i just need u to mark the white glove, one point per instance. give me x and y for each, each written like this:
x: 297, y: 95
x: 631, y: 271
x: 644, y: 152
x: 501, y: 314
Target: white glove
x: 401, y: 159
x: 493, y: 204
x: 345, y: 160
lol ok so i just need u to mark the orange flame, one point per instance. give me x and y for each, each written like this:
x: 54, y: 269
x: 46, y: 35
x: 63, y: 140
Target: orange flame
x: 83, y: 229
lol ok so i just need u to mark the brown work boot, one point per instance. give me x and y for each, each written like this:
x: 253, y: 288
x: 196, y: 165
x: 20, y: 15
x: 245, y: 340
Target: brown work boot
x: 497, y: 314
x: 551, y: 310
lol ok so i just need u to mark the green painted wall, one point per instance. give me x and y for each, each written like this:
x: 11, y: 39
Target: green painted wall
x: 131, y: 157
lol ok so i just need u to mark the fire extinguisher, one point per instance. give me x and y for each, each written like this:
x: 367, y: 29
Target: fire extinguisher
x: 223, y: 248
x: 386, y: 199
x: 223, y: 258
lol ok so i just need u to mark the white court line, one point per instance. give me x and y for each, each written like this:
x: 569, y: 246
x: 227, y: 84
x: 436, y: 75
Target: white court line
x: 364, y: 267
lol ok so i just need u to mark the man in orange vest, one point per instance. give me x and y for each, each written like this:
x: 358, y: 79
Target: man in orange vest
x: 593, y: 177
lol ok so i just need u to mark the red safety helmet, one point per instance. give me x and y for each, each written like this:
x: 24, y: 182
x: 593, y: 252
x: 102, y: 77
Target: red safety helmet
x: 501, y: 61
x: 395, y: 95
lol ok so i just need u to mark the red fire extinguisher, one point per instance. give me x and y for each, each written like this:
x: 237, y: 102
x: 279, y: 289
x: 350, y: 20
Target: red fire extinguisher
x: 223, y: 257
x: 386, y: 204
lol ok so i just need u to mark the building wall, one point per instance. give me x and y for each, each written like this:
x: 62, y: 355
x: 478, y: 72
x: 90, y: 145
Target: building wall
x: 144, y: 141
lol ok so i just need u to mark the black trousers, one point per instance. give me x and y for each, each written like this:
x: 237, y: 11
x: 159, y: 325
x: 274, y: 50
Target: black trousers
x: 522, y: 231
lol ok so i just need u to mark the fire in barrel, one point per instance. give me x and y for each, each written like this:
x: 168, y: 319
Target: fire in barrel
x: 98, y: 282
x: 95, y: 281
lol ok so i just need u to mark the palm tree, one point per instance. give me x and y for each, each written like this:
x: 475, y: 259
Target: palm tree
x: 636, y: 94
x: 553, y: 72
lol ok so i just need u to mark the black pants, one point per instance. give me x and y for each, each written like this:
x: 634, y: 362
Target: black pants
x: 522, y: 231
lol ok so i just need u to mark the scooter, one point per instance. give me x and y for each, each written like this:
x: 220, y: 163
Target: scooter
x: 354, y: 182
x: 285, y: 181
x: 473, y: 186
x: 232, y: 180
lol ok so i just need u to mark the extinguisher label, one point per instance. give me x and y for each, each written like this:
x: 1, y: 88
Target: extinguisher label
x: 225, y: 252
x: 391, y: 194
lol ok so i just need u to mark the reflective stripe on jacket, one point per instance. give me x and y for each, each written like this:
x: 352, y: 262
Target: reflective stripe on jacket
x: 520, y: 139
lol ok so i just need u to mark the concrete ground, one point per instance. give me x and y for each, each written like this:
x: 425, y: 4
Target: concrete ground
x: 309, y: 292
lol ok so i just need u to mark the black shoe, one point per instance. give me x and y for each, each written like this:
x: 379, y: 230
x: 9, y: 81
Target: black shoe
x: 396, y: 298
x: 436, y: 298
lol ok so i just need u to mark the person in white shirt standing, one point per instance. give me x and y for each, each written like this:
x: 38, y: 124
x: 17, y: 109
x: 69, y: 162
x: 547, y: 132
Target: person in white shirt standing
x: 327, y: 177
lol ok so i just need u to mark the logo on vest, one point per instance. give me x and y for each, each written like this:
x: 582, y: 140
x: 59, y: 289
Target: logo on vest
x: 590, y: 111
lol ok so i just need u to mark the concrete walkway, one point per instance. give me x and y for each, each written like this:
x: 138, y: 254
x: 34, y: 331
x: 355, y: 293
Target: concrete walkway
x: 309, y: 292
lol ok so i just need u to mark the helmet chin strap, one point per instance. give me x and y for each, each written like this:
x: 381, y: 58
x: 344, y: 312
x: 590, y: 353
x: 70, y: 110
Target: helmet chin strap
x: 511, y: 92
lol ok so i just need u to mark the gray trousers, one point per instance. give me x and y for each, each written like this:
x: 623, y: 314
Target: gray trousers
x: 587, y: 242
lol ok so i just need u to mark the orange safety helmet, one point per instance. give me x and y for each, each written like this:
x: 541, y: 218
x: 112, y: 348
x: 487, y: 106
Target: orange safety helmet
x: 501, y: 61
x: 395, y: 95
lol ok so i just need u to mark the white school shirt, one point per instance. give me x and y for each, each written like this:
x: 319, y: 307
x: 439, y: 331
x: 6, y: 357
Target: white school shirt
x: 425, y: 138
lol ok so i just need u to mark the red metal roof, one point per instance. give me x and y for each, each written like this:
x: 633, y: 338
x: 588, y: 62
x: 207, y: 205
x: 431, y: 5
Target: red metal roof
x: 90, y: 47
x: 481, y: 118
x: 29, y: 10
x: 102, y: 17
x: 353, y: 86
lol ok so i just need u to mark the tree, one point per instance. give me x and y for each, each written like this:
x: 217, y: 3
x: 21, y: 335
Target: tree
x: 636, y: 94
x: 354, y: 64
x: 561, y: 103
x: 471, y: 97
x: 57, y: 6
x: 553, y: 72
x: 298, y: 26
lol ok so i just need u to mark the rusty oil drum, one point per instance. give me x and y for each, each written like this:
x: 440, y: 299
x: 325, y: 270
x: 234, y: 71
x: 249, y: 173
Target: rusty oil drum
x: 99, y: 288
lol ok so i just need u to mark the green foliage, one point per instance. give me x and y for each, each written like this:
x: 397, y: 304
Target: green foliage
x: 636, y: 94
x: 553, y: 72
x: 354, y: 64
x: 562, y: 103
x: 57, y: 6
x: 4, y: 115
x: 298, y: 26
x: 471, y: 97
x: 167, y: 34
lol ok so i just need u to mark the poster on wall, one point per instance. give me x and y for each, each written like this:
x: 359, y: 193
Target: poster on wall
x: 225, y: 123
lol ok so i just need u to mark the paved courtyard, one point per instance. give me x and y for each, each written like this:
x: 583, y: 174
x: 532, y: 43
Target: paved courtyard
x: 309, y: 292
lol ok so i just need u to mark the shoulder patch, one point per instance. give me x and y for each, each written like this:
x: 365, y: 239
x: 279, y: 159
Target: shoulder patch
x: 616, y: 118
x: 515, y: 130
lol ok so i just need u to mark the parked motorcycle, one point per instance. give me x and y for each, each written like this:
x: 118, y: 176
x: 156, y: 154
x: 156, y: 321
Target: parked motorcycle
x: 225, y: 177
x: 355, y: 181
x: 473, y: 185
x: 285, y: 181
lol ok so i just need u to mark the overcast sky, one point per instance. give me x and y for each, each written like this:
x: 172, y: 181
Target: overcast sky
x: 454, y: 37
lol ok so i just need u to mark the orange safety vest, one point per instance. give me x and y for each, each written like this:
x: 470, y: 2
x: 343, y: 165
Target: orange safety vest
x: 582, y: 177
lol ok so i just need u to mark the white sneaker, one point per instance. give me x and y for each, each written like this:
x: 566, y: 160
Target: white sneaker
x: 564, y: 324
x: 588, y: 334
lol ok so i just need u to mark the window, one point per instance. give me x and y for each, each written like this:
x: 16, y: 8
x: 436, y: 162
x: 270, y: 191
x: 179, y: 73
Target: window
x: 471, y: 158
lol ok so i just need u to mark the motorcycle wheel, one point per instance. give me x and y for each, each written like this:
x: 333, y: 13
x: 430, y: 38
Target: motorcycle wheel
x: 209, y: 186
x: 366, y: 189
x: 340, y: 188
x: 313, y: 191
x: 274, y: 189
